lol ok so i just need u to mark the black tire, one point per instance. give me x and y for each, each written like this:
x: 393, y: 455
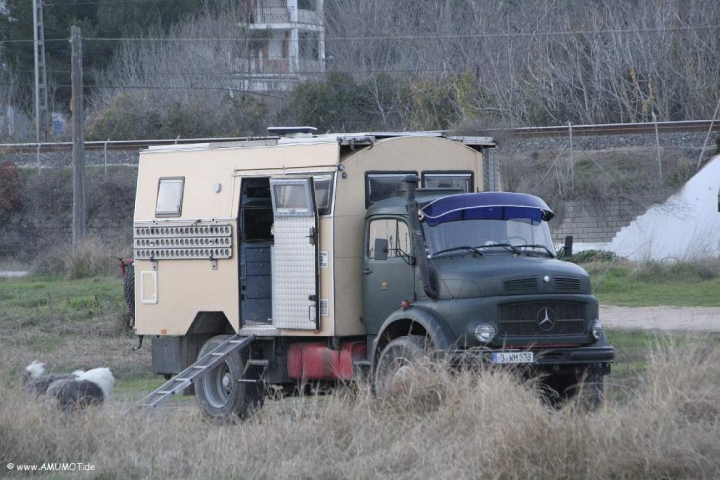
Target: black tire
x: 592, y: 391
x: 588, y: 384
x: 220, y: 394
x: 398, y: 354
x: 129, y: 289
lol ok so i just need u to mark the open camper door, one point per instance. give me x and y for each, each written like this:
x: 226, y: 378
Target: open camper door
x: 294, y: 254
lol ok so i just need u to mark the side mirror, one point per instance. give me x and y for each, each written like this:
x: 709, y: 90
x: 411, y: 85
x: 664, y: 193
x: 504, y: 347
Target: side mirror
x: 381, y: 249
x: 567, y: 249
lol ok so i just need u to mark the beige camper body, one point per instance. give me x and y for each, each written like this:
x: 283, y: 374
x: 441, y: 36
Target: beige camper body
x: 192, y: 274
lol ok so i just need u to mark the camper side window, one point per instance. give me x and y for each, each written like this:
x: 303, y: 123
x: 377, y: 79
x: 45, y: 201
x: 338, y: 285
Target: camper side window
x: 382, y: 185
x: 170, y: 195
x: 456, y: 180
x: 394, y: 231
x: 323, y: 193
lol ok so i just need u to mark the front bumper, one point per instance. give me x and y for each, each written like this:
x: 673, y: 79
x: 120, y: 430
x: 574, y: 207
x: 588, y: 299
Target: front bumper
x: 599, y: 357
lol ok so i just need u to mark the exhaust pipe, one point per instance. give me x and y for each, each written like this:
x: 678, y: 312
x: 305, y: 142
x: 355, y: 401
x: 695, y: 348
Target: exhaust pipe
x: 421, y: 253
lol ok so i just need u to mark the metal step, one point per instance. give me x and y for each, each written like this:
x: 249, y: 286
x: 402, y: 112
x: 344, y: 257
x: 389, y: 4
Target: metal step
x: 254, y: 370
x: 201, y: 367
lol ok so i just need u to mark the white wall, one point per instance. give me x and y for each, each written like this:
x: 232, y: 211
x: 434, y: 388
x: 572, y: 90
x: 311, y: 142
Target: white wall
x: 685, y: 227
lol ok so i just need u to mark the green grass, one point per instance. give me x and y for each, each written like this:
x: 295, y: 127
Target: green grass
x: 69, y: 325
x: 651, y: 284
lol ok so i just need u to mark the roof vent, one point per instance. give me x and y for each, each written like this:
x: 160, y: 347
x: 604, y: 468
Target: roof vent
x: 293, y: 132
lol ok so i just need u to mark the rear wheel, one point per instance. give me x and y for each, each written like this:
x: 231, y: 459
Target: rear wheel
x: 220, y: 393
x: 396, y: 359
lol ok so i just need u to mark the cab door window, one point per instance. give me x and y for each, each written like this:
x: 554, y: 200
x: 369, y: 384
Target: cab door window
x: 394, y: 231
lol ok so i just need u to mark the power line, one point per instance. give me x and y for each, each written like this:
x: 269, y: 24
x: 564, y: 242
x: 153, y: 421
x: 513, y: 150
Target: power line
x: 419, y: 37
x: 106, y: 2
x: 155, y: 87
x: 392, y: 37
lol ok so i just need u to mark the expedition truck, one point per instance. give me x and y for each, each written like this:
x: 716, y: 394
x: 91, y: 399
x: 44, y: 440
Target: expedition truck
x: 303, y: 258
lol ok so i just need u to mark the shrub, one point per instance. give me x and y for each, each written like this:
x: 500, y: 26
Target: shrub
x: 693, y: 271
x: 587, y: 256
x: 92, y: 258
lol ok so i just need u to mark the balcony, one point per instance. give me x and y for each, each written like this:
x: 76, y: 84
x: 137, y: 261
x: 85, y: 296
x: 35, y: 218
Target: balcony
x: 285, y: 15
x: 309, y: 17
x: 271, y: 15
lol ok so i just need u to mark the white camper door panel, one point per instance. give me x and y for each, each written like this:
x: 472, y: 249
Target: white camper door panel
x: 294, y: 254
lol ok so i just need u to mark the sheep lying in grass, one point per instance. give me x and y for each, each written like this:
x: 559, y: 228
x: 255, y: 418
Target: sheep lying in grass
x: 73, y: 391
x: 36, y: 381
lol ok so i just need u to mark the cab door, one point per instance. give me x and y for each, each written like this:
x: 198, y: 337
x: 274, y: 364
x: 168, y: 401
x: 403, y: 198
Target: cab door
x: 294, y: 254
x: 388, y: 273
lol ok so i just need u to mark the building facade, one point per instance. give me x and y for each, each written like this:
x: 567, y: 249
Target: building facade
x: 288, y: 39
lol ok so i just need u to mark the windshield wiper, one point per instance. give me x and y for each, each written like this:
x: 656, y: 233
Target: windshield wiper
x: 506, y: 245
x: 537, y: 245
x: 461, y: 247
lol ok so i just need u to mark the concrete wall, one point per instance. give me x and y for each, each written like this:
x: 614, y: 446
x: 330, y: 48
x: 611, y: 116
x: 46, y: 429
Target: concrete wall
x: 588, y: 223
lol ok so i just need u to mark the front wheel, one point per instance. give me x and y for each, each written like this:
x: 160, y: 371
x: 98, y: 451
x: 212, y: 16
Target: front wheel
x: 586, y: 387
x: 396, y: 359
x: 220, y: 393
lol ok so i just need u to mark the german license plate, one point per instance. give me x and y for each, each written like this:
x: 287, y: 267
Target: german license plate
x: 512, y: 357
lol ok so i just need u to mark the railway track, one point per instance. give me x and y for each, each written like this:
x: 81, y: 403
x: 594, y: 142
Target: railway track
x: 613, y: 129
x: 521, y: 132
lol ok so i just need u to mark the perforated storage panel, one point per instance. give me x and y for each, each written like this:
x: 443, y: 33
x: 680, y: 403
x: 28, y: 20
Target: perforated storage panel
x: 183, y: 242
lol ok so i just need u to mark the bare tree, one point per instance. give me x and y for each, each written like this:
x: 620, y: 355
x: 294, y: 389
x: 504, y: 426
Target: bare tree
x: 191, y: 81
x: 546, y: 61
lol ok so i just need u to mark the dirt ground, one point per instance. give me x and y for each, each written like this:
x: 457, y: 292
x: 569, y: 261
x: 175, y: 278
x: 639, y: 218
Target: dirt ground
x: 697, y: 319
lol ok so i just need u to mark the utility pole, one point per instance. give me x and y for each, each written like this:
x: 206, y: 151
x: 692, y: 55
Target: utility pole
x: 41, y: 95
x: 78, y: 151
x: 657, y: 146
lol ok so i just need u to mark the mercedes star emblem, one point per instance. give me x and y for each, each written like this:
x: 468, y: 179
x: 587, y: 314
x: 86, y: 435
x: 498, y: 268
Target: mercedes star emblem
x: 546, y: 318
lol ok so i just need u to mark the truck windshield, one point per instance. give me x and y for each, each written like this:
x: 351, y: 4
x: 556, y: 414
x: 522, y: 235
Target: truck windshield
x: 490, y: 235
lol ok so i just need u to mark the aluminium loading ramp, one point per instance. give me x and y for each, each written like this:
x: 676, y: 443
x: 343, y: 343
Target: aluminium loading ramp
x: 201, y: 367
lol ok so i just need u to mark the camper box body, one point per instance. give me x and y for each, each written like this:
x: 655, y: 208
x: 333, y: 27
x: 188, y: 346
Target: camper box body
x: 207, y: 262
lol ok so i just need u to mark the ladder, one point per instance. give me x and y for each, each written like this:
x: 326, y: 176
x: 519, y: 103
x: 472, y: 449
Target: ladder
x: 201, y: 367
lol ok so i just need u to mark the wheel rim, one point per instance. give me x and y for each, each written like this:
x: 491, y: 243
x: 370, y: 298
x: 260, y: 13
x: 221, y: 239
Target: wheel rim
x: 219, y: 386
x: 398, y: 371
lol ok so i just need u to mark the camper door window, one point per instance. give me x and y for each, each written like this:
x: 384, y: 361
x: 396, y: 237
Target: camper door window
x: 170, y: 195
x: 293, y: 197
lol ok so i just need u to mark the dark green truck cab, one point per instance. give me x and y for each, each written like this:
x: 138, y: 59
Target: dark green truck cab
x: 476, y: 274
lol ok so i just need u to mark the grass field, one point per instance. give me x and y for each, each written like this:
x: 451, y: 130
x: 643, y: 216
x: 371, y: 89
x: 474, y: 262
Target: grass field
x: 661, y: 417
x: 682, y: 284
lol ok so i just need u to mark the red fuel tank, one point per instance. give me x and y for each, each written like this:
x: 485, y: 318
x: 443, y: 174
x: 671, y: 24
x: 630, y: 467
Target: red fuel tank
x: 315, y: 361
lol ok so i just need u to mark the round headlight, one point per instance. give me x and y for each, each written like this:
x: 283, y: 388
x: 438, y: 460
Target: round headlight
x: 485, y: 332
x: 597, y: 330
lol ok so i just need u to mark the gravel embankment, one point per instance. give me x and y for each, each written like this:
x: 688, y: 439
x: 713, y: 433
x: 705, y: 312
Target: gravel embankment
x: 695, y: 319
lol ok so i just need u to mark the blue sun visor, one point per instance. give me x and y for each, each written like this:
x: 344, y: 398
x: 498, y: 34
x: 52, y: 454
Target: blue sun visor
x: 486, y: 206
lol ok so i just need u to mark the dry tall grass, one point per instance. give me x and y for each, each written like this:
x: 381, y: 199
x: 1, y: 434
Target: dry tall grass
x: 440, y: 426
